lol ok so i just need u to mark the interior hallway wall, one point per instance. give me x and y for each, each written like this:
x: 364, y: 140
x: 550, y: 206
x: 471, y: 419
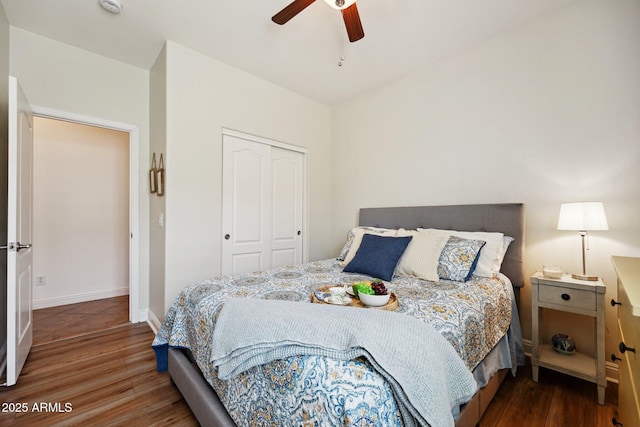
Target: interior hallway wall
x: 81, y: 212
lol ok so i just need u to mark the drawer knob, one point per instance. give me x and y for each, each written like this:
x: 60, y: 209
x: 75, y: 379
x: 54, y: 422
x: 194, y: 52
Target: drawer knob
x: 624, y: 348
x: 614, y: 303
x: 615, y: 422
x: 565, y: 297
x: 614, y: 357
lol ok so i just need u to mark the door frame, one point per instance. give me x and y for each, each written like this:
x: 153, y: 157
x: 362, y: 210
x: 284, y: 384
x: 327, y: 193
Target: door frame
x: 305, y: 179
x: 134, y: 191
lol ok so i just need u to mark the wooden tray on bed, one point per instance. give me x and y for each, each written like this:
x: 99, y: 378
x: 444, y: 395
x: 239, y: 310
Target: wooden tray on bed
x: 355, y: 302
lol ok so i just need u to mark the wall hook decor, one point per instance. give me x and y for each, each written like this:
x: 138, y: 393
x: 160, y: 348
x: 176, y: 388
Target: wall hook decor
x: 160, y: 176
x: 153, y: 177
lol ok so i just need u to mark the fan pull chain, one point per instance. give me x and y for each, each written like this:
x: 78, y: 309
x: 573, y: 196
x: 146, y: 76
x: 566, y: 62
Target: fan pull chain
x: 341, y: 46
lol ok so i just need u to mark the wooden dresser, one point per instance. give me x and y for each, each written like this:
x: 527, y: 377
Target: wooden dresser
x: 628, y: 271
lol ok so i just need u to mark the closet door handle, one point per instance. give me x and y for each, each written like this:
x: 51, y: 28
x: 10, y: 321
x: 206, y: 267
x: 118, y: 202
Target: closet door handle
x: 20, y: 246
x: 614, y: 303
x: 227, y: 236
x: 16, y: 246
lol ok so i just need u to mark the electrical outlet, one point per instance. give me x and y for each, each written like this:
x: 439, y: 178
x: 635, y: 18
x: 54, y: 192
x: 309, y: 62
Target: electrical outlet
x: 40, y: 280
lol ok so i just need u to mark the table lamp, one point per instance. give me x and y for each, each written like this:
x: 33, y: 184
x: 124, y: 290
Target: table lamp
x: 583, y: 217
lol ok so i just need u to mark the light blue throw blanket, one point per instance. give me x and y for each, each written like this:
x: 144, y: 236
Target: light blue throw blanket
x: 427, y: 376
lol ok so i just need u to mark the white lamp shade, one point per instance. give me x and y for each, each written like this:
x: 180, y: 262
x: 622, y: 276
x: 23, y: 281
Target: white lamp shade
x: 584, y: 216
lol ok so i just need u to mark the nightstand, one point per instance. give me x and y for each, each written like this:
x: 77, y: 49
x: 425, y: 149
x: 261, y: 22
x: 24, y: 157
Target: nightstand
x: 573, y: 296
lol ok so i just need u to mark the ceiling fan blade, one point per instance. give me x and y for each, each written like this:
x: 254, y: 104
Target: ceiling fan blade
x: 290, y: 11
x: 352, y: 22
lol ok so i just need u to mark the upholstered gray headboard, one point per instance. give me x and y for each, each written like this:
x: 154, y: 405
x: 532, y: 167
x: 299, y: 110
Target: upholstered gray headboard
x: 507, y: 218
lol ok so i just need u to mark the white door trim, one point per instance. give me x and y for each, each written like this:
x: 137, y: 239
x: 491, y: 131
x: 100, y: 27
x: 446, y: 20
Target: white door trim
x: 134, y: 192
x: 305, y: 177
x: 265, y: 141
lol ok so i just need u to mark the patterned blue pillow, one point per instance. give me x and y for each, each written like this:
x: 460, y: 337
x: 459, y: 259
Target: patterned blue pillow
x: 458, y: 259
x: 378, y: 256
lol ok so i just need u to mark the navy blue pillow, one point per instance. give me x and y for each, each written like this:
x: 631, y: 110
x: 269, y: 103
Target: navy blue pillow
x: 378, y: 256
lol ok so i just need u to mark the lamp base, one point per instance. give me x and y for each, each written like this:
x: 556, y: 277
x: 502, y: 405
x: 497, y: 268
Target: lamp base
x: 586, y: 277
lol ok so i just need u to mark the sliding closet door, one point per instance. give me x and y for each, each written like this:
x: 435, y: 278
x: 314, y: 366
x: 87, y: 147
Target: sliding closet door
x: 246, y: 206
x: 287, y: 186
x: 262, y: 205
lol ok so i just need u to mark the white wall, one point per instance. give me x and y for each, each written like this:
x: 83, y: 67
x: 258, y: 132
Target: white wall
x: 64, y: 78
x: 80, y: 212
x: 157, y: 207
x: 203, y: 97
x: 543, y: 114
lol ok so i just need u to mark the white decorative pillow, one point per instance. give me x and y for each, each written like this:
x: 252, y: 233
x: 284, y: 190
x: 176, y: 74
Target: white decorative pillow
x: 421, y: 257
x: 358, y: 232
x: 492, y: 252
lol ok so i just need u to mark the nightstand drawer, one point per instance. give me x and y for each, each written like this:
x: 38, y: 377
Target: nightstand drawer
x: 570, y: 298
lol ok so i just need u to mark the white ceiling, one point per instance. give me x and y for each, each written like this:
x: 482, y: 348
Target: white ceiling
x: 302, y: 55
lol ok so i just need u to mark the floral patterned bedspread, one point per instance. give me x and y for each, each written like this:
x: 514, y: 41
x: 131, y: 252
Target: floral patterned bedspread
x: 317, y: 391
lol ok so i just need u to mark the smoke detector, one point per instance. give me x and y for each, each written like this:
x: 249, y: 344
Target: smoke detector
x: 112, y: 6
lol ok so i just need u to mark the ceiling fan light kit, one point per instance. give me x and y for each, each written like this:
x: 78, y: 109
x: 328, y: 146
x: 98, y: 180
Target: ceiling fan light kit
x: 340, y: 4
x: 112, y: 6
x: 348, y: 8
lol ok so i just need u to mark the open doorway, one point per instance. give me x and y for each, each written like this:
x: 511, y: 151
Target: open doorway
x: 81, y: 228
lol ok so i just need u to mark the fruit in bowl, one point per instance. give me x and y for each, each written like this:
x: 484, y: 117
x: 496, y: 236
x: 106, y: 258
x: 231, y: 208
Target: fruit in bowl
x: 378, y: 287
x: 372, y: 293
x: 365, y: 287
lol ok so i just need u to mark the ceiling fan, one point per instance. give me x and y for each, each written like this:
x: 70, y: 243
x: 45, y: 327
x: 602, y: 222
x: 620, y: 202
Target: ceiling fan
x: 347, y: 7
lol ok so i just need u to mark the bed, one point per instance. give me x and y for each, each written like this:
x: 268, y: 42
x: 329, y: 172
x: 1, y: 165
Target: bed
x: 185, y: 343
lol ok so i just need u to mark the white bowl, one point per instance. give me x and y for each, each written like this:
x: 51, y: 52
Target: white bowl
x: 552, y: 272
x: 374, y: 300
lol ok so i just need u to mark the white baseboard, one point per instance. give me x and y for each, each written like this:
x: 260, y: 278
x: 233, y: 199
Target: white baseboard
x: 611, y: 369
x: 73, y: 299
x: 153, y: 321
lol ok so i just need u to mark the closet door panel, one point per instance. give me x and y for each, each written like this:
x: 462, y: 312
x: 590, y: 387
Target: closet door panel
x: 246, y: 206
x: 287, y: 184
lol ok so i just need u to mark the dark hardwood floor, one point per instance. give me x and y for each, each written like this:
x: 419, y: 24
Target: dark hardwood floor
x: 109, y: 378
x: 557, y: 400
x: 66, y: 321
x: 105, y: 378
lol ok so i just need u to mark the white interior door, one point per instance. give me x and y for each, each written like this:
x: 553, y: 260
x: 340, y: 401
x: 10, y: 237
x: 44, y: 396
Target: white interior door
x: 19, y: 229
x: 246, y: 206
x: 287, y: 201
